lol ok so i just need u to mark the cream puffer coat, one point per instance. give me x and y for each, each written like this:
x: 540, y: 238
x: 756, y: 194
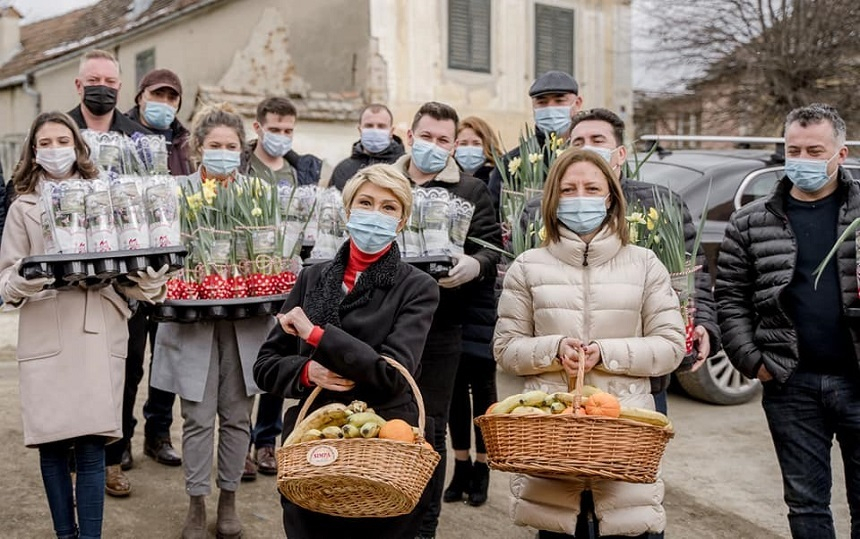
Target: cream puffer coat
x: 619, y: 297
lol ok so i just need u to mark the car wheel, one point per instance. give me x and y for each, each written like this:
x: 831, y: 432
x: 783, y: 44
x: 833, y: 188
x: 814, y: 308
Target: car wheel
x: 718, y: 382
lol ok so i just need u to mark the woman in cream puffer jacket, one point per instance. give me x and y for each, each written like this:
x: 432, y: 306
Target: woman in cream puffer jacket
x: 589, y: 290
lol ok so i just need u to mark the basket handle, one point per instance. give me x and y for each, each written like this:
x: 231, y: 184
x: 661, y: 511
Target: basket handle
x: 419, y: 399
x: 575, y: 385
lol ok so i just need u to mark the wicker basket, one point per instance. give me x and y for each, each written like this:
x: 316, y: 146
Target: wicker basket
x: 570, y: 445
x: 357, y: 477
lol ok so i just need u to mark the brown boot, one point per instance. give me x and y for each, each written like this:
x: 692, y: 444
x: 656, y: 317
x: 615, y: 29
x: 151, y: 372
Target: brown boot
x: 116, y: 482
x: 195, y: 522
x: 228, y: 525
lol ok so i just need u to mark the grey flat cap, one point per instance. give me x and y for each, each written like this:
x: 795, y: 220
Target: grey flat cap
x: 554, y: 82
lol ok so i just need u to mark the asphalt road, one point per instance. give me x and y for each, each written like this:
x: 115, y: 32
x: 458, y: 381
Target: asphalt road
x: 722, y: 480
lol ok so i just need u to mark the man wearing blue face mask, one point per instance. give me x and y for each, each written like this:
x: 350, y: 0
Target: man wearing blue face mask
x: 271, y: 156
x: 377, y: 144
x: 790, y: 332
x: 555, y: 99
x: 158, y: 100
x: 431, y: 165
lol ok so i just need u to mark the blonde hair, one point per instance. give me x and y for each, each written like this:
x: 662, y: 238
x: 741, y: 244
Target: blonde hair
x: 617, y: 212
x: 386, y: 177
x: 98, y: 54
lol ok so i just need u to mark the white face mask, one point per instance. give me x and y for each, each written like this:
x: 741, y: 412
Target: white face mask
x: 57, y: 162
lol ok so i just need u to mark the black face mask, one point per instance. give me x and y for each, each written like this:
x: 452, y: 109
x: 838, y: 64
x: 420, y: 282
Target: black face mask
x: 100, y: 100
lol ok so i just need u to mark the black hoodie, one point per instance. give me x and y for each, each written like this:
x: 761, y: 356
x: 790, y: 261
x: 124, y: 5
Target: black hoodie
x: 359, y: 159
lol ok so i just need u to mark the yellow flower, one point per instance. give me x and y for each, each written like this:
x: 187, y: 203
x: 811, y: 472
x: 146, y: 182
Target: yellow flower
x: 514, y: 166
x: 256, y: 212
x: 636, y: 218
x: 653, y: 214
x: 210, y: 191
x: 534, y: 158
x: 542, y: 233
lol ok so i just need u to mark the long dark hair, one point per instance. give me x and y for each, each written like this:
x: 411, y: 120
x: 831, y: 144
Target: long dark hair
x: 28, y: 171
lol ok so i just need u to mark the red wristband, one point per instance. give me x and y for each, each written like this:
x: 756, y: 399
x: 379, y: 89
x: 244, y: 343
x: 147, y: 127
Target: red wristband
x: 303, y: 378
x: 315, y: 336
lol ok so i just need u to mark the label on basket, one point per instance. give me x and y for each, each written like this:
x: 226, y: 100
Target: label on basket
x: 322, y: 455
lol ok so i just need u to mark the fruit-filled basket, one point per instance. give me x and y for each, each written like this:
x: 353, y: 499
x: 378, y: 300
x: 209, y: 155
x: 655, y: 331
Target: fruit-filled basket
x: 347, y: 461
x: 583, y: 433
x: 100, y: 268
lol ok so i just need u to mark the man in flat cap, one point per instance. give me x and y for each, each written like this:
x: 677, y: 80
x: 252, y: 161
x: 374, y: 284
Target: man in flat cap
x: 555, y: 99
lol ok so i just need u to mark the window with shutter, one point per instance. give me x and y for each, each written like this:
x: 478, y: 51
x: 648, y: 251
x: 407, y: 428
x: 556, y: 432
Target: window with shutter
x: 553, y: 39
x: 144, y: 62
x: 469, y: 35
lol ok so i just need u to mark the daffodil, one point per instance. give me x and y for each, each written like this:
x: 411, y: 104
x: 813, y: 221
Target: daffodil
x: 636, y: 218
x: 534, y: 158
x: 514, y: 166
x: 210, y: 191
x: 256, y: 212
x: 653, y: 214
x: 542, y: 233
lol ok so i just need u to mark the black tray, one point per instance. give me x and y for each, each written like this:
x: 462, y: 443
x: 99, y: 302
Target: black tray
x: 435, y: 266
x: 100, y: 269
x: 186, y: 311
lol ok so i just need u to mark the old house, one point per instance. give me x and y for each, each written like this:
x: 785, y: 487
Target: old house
x: 330, y: 56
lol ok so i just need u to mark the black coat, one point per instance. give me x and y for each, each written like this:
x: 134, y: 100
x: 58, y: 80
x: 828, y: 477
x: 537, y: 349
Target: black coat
x: 756, y: 264
x: 120, y: 123
x: 360, y: 158
x: 388, y: 312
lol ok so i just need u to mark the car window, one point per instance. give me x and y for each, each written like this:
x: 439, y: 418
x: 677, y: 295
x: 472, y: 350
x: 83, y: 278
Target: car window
x: 756, y: 185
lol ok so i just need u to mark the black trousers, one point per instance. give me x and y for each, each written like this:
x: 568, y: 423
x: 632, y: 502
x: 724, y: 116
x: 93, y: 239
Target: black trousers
x: 474, y: 392
x: 438, y: 371
x: 140, y: 328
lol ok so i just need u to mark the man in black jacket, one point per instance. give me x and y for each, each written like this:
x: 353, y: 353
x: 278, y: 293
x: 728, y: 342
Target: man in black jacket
x: 602, y: 131
x: 378, y: 144
x: 555, y: 99
x: 787, y: 325
x: 430, y: 164
x: 98, y: 83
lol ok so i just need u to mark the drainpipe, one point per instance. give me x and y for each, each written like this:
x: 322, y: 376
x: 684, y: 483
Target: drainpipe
x: 32, y: 92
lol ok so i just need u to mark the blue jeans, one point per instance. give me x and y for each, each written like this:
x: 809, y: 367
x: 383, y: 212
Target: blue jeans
x: 804, y: 415
x: 269, y: 423
x: 89, y: 452
x: 661, y: 401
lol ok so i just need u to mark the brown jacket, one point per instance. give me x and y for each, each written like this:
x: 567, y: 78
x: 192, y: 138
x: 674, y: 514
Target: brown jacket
x: 71, y: 345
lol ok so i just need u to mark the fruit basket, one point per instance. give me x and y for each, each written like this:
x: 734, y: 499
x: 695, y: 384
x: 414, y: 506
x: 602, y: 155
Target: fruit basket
x: 99, y: 268
x: 435, y: 266
x: 590, y: 446
x: 345, y: 477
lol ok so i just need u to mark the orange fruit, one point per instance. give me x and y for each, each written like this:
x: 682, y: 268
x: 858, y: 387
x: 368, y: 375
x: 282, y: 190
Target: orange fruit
x: 397, y: 429
x: 567, y: 411
x: 490, y: 409
x: 428, y: 446
x: 580, y: 412
x: 604, y: 404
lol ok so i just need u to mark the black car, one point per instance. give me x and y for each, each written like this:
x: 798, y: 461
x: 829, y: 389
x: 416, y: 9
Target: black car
x: 725, y: 180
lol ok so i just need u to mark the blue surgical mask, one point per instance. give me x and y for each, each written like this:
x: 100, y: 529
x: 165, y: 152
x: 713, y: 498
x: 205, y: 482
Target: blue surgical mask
x: 605, y: 153
x: 553, y: 119
x: 371, y: 231
x: 470, y: 158
x: 221, y: 162
x: 808, y: 175
x: 158, y: 115
x: 277, y: 145
x: 582, y: 215
x: 428, y: 157
x: 375, y: 140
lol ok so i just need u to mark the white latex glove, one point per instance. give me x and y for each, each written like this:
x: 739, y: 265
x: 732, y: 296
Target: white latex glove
x: 18, y: 288
x: 151, y: 283
x: 465, y: 270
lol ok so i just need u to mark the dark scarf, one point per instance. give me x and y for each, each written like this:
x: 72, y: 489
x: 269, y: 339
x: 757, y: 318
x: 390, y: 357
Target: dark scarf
x: 326, y: 302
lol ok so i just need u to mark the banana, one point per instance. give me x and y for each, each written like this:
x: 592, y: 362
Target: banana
x: 357, y: 407
x: 365, y: 417
x: 311, y: 435
x: 330, y: 414
x: 350, y: 431
x: 527, y: 410
x: 370, y: 430
x: 332, y: 432
x: 505, y: 406
x: 588, y: 391
x: 645, y: 416
x: 533, y: 398
x: 557, y: 407
x: 545, y: 409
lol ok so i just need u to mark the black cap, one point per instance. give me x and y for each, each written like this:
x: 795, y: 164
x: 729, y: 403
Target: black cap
x: 554, y: 82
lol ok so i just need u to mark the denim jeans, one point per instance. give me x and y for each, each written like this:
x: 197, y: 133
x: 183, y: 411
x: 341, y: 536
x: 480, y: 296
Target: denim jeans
x: 804, y: 415
x: 89, y: 488
x: 269, y: 423
x: 661, y: 401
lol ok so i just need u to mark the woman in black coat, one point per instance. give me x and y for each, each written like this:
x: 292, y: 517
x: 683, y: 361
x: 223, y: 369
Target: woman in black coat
x: 347, y: 314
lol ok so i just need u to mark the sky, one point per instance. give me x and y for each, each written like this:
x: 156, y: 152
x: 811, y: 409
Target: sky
x: 645, y: 76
